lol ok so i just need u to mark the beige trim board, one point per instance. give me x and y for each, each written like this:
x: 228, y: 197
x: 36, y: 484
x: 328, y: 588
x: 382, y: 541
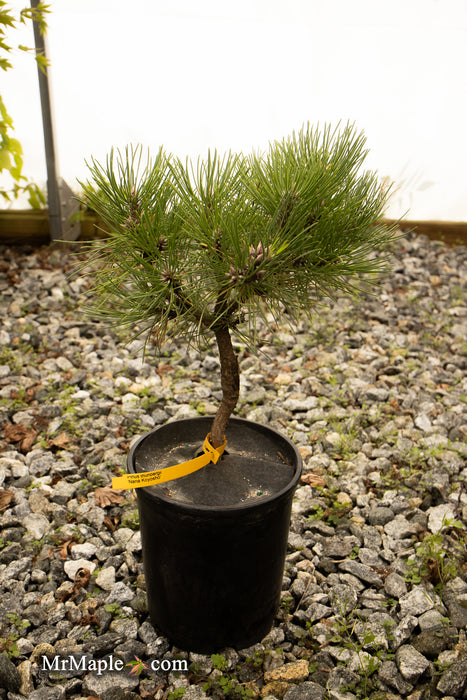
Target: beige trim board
x: 31, y: 227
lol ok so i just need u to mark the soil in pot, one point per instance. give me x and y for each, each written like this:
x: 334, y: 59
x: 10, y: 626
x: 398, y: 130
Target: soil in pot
x: 251, y: 470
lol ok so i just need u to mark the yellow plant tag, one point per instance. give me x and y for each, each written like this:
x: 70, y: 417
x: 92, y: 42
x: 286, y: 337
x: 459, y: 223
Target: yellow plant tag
x: 134, y: 481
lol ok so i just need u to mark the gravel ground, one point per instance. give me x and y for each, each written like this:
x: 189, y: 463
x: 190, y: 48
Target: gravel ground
x: 374, y: 392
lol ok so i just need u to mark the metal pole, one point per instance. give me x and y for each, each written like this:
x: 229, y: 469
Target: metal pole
x: 53, y: 192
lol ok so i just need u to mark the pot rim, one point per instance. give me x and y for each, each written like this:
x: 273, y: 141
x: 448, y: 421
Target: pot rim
x: 191, y: 507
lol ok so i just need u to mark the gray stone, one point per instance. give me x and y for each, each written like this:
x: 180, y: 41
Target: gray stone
x: 371, y: 537
x: 380, y: 515
x: 411, y: 663
x: 120, y: 694
x: 203, y: 662
x: 72, y: 566
x: 343, y: 599
x: 47, y: 693
x: 432, y: 642
x: 305, y: 691
x: 455, y: 599
x: 454, y: 680
x: 16, y: 569
x: 36, y: 524
x: 431, y: 619
x: 400, y: 528
x: 372, y: 635
x: 97, y: 685
x: 297, y: 405
x: 105, y: 579
x: 439, y: 516
x: 369, y: 557
x: 316, y: 611
x: 395, y: 586
x: 83, y: 551
x: 10, y: 677
x: 374, y: 393
x: 127, y: 628
x: 364, y: 573
x: 340, y: 676
x: 210, y: 363
x: 337, y: 547
x: 195, y: 692
x: 389, y: 674
x: 120, y: 593
x: 402, y: 632
x: 416, y: 601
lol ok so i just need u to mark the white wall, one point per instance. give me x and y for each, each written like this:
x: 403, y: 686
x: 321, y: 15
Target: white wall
x: 210, y: 73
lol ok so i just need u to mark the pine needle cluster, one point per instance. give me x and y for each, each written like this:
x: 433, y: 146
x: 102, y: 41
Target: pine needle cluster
x: 196, y: 250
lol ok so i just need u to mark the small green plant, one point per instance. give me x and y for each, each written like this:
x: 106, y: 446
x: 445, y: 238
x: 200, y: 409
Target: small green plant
x: 17, y: 621
x: 8, y: 643
x: 114, y: 609
x: 11, y: 152
x: 437, y: 559
x: 351, y: 632
x: 286, y: 604
x: 219, y: 662
x: 220, y: 683
x: 176, y: 694
x: 131, y: 520
x: 317, y: 512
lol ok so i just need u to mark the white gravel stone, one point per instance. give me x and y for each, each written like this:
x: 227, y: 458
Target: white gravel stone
x: 36, y: 524
x: 105, y: 579
x: 411, y: 663
x: 440, y: 516
x: 71, y: 567
x: 416, y: 602
x: 83, y: 551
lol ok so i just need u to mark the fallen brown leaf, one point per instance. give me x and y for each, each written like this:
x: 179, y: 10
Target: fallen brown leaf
x: 110, y: 523
x: 21, y: 434
x: 313, y: 480
x: 6, y: 497
x: 105, y: 496
x: 164, y: 369
x: 29, y: 440
x: 60, y: 441
x: 65, y: 548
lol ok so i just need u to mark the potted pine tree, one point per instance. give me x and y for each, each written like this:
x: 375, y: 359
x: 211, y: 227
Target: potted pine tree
x: 202, y: 251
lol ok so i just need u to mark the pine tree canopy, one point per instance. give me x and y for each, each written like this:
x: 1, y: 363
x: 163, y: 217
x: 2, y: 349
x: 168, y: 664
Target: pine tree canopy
x: 194, y: 247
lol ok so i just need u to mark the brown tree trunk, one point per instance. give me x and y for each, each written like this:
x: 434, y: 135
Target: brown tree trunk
x: 230, y: 383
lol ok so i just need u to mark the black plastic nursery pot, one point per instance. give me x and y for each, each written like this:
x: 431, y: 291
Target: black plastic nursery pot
x: 214, y: 542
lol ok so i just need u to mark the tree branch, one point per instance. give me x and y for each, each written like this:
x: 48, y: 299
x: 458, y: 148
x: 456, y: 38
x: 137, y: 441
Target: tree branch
x: 230, y: 384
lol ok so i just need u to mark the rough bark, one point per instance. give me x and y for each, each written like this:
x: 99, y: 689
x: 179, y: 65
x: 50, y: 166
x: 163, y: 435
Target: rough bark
x: 230, y: 384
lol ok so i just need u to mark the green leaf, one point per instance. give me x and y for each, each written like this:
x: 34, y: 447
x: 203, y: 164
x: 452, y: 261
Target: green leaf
x: 5, y: 161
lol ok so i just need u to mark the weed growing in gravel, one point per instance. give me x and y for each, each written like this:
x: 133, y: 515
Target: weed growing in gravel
x: 439, y: 556
x: 351, y: 632
x: 221, y: 683
x: 131, y: 520
x: 8, y: 357
x: 176, y: 694
x: 114, y: 609
x: 8, y: 643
